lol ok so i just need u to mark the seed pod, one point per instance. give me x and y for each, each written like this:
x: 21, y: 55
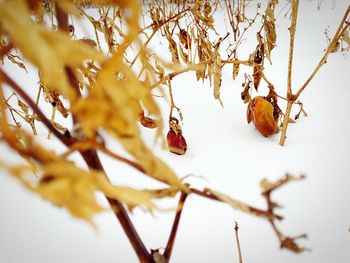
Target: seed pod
x: 176, y: 142
x: 260, y: 112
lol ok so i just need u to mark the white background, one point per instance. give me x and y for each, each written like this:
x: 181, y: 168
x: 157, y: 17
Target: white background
x: 232, y: 156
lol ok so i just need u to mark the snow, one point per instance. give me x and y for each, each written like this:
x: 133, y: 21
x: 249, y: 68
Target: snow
x: 232, y: 157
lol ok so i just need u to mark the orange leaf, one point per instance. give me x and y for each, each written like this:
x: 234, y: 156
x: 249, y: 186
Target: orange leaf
x: 260, y: 112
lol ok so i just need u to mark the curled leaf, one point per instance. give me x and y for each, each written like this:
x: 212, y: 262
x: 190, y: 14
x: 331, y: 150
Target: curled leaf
x: 261, y: 112
x: 147, y: 121
x: 257, y: 75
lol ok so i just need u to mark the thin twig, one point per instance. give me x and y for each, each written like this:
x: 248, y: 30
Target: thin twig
x: 238, y: 244
x: 155, y: 31
x: 78, y: 146
x: 172, y: 236
x: 292, y: 29
x: 331, y: 46
x: 67, y: 141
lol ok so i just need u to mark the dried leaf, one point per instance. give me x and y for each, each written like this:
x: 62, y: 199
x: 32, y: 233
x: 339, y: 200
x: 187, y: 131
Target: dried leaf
x: 65, y: 185
x: 235, y: 204
x: 173, y: 48
x: 160, y: 70
x: 290, y: 244
x: 269, y: 28
x: 183, y: 55
x: 270, y: 31
x: 17, y: 60
x: 200, y: 71
x: 235, y: 72
x: 217, y: 77
x: 23, y: 106
x: 38, y: 45
x: 260, y: 112
x: 257, y: 75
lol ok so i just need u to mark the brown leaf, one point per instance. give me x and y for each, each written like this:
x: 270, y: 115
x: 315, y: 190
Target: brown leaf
x: 260, y: 112
x: 147, y: 121
x: 173, y: 48
x: 235, y: 69
x: 290, y: 244
x: 257, y: 75
x: 217, y: 77
x: 183, y: 55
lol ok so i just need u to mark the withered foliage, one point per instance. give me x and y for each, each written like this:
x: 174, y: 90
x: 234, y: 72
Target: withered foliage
x: 106, y: 85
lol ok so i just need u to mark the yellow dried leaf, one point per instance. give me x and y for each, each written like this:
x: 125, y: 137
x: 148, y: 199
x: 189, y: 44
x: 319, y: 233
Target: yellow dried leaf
x: 183, y: 55
x: 118, y: 107
x: 173, y: 49
x: 200, y: 71
x: 260, y: 111
x: 68, y: 186
x: 269, y: 28
x: 235, y: 69
x: 217, y: 77
x: 235, y: 204
x: 23, y: 106
x: 48, y: 50
x: 17, y: 60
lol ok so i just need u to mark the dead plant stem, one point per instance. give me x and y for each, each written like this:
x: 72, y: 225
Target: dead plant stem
x: 290, y: 100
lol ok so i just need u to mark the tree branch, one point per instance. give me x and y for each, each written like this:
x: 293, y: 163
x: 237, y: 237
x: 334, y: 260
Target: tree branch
x: 93, y: 161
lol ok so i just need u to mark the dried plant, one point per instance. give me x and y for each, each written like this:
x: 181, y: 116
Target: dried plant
x: 115, y: 75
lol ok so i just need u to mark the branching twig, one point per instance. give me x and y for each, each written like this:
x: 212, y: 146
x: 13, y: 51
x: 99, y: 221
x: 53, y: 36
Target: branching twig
x: 292, y: 98
x: 67, y: 141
